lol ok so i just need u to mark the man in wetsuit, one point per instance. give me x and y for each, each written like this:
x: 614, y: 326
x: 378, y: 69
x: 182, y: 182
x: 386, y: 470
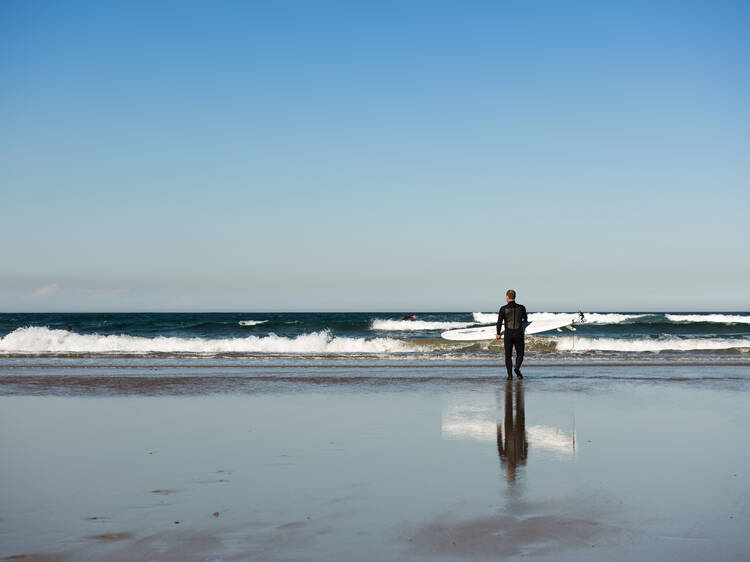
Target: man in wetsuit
x: 514, y: 316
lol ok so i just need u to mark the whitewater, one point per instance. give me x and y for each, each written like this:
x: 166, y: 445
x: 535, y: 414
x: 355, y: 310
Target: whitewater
x: 37, y: 341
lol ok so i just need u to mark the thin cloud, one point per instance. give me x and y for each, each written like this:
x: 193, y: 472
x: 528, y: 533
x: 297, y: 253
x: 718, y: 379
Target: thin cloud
x: 47, y: 290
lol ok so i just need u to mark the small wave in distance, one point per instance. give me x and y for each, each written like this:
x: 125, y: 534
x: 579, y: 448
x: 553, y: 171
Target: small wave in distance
x: 387, y: 325
x: 252, y: 322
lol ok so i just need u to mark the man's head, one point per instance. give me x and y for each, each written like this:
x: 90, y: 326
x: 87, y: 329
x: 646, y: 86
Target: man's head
x: 510, y: 295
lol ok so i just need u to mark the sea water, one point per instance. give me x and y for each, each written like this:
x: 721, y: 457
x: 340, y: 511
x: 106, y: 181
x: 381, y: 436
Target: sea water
x: 361, y: 338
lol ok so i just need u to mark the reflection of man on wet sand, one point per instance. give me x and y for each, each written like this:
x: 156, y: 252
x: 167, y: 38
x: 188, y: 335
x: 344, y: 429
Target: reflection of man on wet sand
x: 511, y: 443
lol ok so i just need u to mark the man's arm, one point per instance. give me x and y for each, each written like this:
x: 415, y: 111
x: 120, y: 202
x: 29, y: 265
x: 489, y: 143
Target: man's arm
x: 499, y: 322
x: 525, y: 316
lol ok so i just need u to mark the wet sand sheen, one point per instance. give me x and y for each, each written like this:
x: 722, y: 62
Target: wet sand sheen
x: 190, y: 380
x: 384, y: 469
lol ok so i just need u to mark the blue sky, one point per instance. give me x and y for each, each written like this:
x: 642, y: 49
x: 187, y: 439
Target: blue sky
x: 374, y: 155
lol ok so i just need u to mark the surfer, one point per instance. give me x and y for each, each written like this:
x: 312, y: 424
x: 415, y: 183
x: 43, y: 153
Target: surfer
x: 409, y: 317
x: 514, y: 315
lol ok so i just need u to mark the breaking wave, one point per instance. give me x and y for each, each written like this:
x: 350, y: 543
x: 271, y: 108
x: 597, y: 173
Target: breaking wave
x: 416, y: 325
x: 610, y: 318
x: 716, y: 318
x: 664, y: 343
x: 42, y: 340
x: 591, y: 317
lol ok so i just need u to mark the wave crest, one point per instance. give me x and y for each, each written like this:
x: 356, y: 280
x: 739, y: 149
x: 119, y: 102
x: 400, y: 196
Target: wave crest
x: 485, y: 317
x: 714, y: 318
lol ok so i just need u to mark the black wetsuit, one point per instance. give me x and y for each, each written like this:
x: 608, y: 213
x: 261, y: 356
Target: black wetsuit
x: 514, y: 316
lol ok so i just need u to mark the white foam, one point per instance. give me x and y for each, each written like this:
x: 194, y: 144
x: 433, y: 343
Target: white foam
x: 718, y: 318
x: 252, y: 322
x: 591, y: 317
x: 664, y: 343
x: 415, y: 325
x: 42, y: 340
x: 485, y: 317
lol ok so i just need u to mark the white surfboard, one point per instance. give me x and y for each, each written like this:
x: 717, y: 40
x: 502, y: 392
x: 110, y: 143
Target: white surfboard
x: 533, y: 327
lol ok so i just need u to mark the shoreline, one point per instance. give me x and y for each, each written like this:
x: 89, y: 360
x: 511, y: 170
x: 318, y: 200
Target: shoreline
x: 187, y: 380
x: 445, y: 365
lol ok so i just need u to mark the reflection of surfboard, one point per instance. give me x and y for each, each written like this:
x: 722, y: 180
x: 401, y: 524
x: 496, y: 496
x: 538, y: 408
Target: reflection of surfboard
x: 533, y: 327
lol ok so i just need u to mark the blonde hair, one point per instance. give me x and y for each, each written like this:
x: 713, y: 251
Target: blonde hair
x: 511, y: 294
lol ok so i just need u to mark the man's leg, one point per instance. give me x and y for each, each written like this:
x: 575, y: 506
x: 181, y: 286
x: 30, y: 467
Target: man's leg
x: 508, y: 342
x: 520, y: 347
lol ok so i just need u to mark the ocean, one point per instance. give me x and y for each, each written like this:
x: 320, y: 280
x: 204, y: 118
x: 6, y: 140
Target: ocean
x: 96, y: 339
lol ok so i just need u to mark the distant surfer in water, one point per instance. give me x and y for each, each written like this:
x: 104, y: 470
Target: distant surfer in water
x: 409, y: 317
x: 514, y: 315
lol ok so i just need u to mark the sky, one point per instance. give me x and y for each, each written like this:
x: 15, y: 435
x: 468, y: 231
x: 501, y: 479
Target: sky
x: 374, y: 156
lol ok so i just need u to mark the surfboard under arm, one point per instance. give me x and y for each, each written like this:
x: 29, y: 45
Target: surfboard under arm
x: 489, y: 332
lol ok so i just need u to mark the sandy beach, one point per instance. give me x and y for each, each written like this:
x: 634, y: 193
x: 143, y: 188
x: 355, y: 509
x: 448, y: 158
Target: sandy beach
x: 572, y: 468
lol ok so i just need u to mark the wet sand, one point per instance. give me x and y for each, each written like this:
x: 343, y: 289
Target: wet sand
x: 611, y: 465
